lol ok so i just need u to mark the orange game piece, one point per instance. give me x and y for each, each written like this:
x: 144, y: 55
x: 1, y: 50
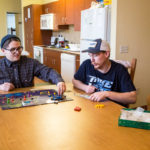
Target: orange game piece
x: 77, y: 108
x: 99, y: 105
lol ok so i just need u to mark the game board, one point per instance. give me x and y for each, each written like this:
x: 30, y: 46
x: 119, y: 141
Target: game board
x: 30, y: 98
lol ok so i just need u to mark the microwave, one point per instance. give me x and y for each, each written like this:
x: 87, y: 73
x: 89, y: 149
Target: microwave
x: 47, y: 21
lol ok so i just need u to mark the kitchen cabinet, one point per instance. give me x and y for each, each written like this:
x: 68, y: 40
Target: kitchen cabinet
x: 50, y: 7
x: 66, y: 12
x: 52, y: 59
x: 32, y: 34
x: 70, y: 11
x: 63, y: 11
x: 79, y: 5
x: 57, y: 8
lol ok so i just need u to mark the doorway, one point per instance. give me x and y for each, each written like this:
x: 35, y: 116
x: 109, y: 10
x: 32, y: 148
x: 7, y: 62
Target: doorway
x: 14, y: 24
x: 11, y: 23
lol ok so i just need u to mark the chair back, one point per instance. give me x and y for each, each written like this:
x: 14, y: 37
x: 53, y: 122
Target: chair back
x: 132, y: 68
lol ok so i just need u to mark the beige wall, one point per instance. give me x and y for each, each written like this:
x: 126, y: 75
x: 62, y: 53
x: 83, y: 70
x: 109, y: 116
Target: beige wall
x: 28, y: 2
x: 133, y: 30
x: 7, y: 6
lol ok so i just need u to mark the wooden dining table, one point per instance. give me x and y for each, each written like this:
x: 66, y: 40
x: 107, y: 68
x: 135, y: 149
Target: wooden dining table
x: 59, y: 127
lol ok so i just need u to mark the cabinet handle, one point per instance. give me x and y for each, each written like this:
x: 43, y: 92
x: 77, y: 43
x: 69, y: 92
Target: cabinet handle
x: 65, y: 19
x: 46, y: 10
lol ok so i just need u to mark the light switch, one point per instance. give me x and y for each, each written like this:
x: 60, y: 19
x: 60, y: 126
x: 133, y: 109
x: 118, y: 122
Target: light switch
x: 124, y: 49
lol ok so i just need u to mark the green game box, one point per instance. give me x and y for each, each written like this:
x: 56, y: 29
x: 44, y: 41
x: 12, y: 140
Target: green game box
x: 134, y: 124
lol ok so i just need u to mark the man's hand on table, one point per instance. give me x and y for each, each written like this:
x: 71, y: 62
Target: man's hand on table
x: 61, y: 88
x: 7, y: 86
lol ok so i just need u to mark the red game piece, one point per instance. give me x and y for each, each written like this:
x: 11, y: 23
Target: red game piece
x: 77, y: 108
x: 24, y: 98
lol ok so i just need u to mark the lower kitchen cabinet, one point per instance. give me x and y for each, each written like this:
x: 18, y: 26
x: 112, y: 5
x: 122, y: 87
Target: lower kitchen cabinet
x: 52, y: 59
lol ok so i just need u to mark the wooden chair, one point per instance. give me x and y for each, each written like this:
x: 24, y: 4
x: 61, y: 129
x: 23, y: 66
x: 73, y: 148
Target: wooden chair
x: 131, y: 66
x: 148, y: 103
x: 39, y: 82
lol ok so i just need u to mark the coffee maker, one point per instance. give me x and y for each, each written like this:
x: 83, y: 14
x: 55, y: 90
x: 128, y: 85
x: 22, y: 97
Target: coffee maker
x: 61, y: 41
x: 53, y: 41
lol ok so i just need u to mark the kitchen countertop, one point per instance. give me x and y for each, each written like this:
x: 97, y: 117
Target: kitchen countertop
x: 62, y: 50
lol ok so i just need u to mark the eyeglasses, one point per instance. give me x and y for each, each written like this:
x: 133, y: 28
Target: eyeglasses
x: 12, y: 50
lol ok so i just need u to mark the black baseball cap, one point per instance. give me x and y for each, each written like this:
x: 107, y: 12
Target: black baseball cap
x: 97, y: 46
x: 7, y: 37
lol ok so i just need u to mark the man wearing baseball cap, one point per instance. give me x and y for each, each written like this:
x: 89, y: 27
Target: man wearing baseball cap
x: 18, y: 71
x: 103, y: 78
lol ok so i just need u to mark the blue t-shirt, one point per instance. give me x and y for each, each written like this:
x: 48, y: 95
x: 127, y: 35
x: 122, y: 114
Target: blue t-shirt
x: 116, y: 79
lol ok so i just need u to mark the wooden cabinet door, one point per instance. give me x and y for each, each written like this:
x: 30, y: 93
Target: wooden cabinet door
x: 28, y: 29
x: 65, y: 9
x: 32, y: 34
x: 61, y: 9
x: 52, y: 59
x: 79, y: 5
x: 70, y: 11
x: 45, y: 9
x: 36, y: 12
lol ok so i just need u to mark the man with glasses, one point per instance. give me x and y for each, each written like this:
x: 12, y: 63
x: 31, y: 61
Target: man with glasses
x: 18, y: 71
x: 104, y: 78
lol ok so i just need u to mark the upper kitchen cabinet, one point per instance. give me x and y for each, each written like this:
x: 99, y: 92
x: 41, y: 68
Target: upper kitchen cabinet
x: 79, y: 6
x: 32, y: 33
x: 57, y: 9
x: 66, y: 12
x: 50, y: 8
x: 70, y: 11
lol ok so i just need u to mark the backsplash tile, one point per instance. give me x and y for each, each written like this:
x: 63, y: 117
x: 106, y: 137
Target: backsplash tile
x: 69, y: 34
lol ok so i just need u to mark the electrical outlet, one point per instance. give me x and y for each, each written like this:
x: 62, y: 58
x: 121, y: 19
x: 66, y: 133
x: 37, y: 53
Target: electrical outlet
x: 124, y: 49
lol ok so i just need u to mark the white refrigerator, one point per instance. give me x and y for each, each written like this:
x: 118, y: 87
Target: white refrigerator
x: 95, y: 24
